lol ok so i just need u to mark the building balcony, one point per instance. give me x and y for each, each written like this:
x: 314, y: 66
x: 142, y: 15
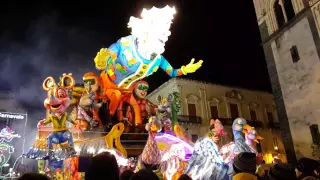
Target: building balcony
x: 229, y: 121
x: 274, y: 125
x: 256, y: 124
x: 226, y: 121
x: 189, y: 119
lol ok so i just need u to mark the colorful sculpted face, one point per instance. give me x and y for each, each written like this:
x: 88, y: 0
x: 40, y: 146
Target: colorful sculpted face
x: 164, y: 110
x: 167, y: 125
x: 58, y: 97
x: 239, y: 124
x: 153, y: 29
x: 251, y: 134
x: 91, y: 82
x: 141, y: 89
x: 217, y: 128
x: 153, y: 126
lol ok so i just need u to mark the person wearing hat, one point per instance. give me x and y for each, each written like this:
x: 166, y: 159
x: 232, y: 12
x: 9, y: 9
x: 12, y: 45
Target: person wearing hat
x: 244, y: 166
x: 281, y: 172
x: 306, y: 167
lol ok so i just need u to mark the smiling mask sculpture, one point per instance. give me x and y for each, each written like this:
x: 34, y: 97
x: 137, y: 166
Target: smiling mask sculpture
x: 58, y: 102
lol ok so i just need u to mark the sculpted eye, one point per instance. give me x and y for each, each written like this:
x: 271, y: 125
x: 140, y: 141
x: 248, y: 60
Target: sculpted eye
x: 61, y: 93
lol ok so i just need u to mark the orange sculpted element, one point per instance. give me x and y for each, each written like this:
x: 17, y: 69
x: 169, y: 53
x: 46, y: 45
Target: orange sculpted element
x: 82, y: 124
x: 111, y: 67
x: 113, y: 55
x: 93, y: 85
x: 168, y: 71
x: 118, y: 95
x: 108, y: 53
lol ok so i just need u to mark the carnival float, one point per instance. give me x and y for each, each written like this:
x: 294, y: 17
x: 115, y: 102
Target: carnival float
x: 91, y: 117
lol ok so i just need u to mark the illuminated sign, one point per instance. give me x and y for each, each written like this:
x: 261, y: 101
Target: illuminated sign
x: 8, y: 115
x: 6, y: 150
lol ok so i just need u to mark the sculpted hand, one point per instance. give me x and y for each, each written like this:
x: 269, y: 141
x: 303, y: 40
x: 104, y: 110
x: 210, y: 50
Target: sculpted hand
x: 215, y: 139
x: 40, y: 123
x: 77, y: 126
x: 93, y: 123
x: 191, y: 67
x: 101, y: 59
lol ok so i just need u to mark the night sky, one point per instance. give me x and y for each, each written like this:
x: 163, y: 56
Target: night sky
x: 42, y: 39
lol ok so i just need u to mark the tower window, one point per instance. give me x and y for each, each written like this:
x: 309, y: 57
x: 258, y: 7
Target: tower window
x: 275, y: 144
x: 279, y: 14
x: 234, y: 110
x: 194, y: 137
x: 294, y: 54
x: 289, y: 9
x: 315, y: 133
x: 259, y: 147
x: 270, y: 117
x: 192, y: 110
x: 214, y: 112
x: 253, y: 115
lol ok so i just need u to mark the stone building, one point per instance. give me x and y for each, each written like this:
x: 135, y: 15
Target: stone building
x: 202, y: 101
x: 290, y: 32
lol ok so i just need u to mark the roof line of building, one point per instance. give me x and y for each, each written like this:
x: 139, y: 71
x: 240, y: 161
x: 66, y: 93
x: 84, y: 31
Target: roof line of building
x: 160, y: 87
x: 204, y: 82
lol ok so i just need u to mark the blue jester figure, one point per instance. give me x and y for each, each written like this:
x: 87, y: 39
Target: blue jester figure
x: 139, y: 55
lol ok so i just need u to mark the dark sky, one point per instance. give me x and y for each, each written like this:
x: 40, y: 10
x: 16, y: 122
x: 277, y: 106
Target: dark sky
x: 42, y: 39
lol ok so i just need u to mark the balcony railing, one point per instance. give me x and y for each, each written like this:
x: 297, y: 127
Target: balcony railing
x: 256, y: 124
x: 226, y: 121
x: 189, y: 119
x: 229, y: 121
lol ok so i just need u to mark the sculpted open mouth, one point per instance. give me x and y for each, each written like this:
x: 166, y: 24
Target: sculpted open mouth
x: 162, y: 112
x: 55, y: 106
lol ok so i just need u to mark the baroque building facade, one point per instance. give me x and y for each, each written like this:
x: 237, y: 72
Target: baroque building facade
x: 290, y: 33
x: 201, y: 101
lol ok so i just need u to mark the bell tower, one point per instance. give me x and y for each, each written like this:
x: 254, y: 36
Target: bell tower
x: 291, y: 41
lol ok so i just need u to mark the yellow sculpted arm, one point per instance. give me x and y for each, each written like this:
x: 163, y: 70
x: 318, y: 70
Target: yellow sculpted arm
x: 191, y: 67
x: 48, y: 120
x: 102, y: 57
x: 107, y: 56
x: 70, y: 120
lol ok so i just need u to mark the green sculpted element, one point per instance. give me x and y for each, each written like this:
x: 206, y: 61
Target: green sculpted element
x: 176, y: 106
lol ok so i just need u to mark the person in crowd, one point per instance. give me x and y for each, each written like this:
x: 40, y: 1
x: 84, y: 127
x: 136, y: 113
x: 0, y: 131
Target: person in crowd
x: 33, y: 176
x: 310, y: 178
x: 244, y: 166
x: 184, y: 177
x: 104, y: 165
x: 306, y: 167
x: 317, y: 172
x: 280, y: 172
x: 144, y: 174
x: 126, y: 175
